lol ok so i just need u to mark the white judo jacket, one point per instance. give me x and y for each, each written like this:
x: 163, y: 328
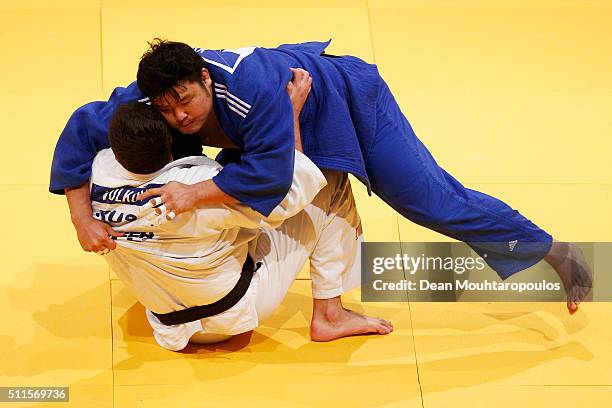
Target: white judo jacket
x: 195, y: 259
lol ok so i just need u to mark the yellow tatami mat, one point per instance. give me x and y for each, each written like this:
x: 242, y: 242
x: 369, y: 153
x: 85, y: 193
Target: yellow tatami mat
x: 512, y: 97
x: 277, y: 363
x: 47, y: 71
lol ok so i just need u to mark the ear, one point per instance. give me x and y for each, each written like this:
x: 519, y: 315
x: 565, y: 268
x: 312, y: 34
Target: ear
x: 206, y: 79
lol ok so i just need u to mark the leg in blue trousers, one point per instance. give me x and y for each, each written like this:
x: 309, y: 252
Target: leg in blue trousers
x: 406, y: 176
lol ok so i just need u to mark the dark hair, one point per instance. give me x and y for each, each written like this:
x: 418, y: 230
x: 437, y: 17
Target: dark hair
x: 140, y: 138
x: 166, y: 64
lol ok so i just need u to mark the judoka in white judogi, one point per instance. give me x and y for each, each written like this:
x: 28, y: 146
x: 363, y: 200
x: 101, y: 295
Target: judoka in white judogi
x: 197, y: 258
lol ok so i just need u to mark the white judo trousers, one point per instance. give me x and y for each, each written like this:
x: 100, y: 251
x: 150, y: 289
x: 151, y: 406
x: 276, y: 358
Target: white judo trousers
x: 327, y: 233
x: 197, y: 258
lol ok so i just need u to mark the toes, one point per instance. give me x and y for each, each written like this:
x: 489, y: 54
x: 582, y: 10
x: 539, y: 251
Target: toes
x: 385, y: 323
x: 383, y: 330
x: 384, y: 326
x: 572, y: 307
x: 388, y: 325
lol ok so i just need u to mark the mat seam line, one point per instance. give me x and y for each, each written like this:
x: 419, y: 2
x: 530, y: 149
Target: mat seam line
x: 101, y: 51
x: 371, y: 31
x: 416, y: 360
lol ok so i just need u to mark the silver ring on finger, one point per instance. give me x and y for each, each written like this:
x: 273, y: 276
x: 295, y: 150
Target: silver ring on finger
x: 171, y: 215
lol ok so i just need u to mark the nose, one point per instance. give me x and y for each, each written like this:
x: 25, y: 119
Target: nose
x: 180, y: 115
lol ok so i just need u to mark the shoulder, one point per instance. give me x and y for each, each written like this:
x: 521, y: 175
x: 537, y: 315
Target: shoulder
x: 245, y: 78
x: 103, y: 163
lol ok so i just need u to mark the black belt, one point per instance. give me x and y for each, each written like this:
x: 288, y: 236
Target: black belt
x: 226, y: 302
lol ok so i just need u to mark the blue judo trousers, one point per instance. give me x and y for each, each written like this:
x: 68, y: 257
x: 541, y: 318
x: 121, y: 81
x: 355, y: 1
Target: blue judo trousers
x: 406, y: 176
x: 350, y: 122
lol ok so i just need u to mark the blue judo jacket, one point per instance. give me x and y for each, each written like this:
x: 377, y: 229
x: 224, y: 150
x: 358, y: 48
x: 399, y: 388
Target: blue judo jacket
x: 255, y: 112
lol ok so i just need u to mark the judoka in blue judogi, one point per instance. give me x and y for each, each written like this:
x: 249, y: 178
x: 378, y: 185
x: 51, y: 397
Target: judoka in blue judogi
x: 350, y: 122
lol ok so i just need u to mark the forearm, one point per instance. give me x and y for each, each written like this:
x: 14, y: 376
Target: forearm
x: 297, y: 133
x: 298, y: 90
x: 79, y: 202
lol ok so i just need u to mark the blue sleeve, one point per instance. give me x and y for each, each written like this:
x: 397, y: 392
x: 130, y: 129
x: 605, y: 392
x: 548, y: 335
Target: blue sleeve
x: 85, y: 134
x: 263, y: 177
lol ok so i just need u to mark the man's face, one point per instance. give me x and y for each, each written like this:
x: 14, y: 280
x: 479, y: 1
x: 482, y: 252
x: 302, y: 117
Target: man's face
x: 191, y: 109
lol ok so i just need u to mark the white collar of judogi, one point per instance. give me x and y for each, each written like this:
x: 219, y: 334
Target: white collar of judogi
x: 113, y: 174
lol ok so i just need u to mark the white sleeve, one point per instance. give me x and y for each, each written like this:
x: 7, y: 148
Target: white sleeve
x: 307, y: 182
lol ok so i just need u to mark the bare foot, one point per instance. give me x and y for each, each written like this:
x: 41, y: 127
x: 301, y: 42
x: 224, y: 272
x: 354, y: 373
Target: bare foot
x: 574, y: 271
x: 330, y: 321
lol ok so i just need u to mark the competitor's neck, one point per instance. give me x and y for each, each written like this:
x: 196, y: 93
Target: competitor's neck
x: 212, y: 134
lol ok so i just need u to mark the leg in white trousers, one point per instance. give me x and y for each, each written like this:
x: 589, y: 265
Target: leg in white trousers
x: 328, y: 232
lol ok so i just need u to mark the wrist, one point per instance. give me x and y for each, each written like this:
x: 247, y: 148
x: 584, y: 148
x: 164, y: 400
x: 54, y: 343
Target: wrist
x: 80, y: 219
x: 199, y: 192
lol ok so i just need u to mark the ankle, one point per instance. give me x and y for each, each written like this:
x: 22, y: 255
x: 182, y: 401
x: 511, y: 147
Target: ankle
x: 327, y: 309
x: 558, y: 253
